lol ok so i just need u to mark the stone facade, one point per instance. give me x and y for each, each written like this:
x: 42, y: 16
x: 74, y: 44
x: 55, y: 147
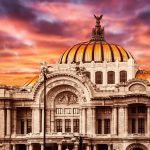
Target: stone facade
x: 78, y: 111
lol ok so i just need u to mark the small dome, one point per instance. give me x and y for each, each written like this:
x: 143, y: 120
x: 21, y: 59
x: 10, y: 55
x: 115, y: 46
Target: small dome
x: 97, y: 51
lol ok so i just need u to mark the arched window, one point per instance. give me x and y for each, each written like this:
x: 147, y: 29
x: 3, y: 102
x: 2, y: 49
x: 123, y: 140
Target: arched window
x: 99, y: 77
x: 111, y: 77
x: 87, y: 74
x: 123, y: 76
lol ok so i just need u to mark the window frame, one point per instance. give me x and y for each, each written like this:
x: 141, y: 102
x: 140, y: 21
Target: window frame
x: 123, y: 76
x: 110, y: 77
x: 99, y: 77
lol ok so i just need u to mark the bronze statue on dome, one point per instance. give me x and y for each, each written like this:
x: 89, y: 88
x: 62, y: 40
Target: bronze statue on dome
x: 98, y: 18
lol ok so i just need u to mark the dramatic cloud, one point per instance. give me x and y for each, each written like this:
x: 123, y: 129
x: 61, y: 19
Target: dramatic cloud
x: 33, y: 31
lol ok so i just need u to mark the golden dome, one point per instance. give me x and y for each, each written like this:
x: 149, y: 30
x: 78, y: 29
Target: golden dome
x: 97, y: 49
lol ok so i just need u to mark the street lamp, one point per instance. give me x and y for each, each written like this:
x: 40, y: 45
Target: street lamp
x: 44, y: 73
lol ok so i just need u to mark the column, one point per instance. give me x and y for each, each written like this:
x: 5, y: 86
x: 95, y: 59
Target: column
x: 8, y: 131
x: 63, y: 125
x: 59, y: 146
x: 36, y: 120
x: 126, y: 120
x: 94, y: 147
x: 30, y: 146
x: 52, y: 120
x: 14, y: 147
x: 90, y: 120
x: 76, y: 145
x: 14, y: 120
x: 109, y: 146
x: 25, y: 126
x: 121, y: 119
x: 71, y: 125
x: 80, y: 122
x: 148, y: 120
x: 42, y: 146
x: 3, y: 123
x: 87, y: 147
x: 84, y: 121
x: 94, y: 119
x: 114, y: 120
x: 27, y: 147
x: 48, y: 120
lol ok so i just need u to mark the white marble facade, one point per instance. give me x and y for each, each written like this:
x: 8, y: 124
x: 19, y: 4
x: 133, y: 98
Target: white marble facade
x: 100, y: 116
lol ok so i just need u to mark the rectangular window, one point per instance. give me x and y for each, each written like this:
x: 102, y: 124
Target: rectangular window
x: 133, y: 110
x: 75, y: 111
x: 133, y: 130
x: 58, y: 125
x: 141, y: 125
x: 59, y: 111
x: 67, y: 111
x: 22, y: 126
x: 67, y: 125
x: 106, y: 126
x: 76, y: 125
x: 29, y: 126
x: 99, y: 126
x: 141, y: 109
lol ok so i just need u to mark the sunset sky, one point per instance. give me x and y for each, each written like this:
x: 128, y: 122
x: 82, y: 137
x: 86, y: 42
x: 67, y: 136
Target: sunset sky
x: 33, y: 31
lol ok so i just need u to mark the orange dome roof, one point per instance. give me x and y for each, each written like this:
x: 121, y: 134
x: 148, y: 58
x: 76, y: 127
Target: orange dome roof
x: 142, y: 74
x: 96, y: 51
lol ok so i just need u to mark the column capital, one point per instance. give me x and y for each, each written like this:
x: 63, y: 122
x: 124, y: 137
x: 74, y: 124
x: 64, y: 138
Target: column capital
x: 59, y: 143
x: 123, y: 106
x: 115, y: 106
x: 8, y: 108
x: 76, y: 143
x: 148, y: 106
x: 92, y: 107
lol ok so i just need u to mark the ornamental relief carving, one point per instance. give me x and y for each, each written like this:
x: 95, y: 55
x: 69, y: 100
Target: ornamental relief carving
x: 66, y: 98
x: 137, y: 87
